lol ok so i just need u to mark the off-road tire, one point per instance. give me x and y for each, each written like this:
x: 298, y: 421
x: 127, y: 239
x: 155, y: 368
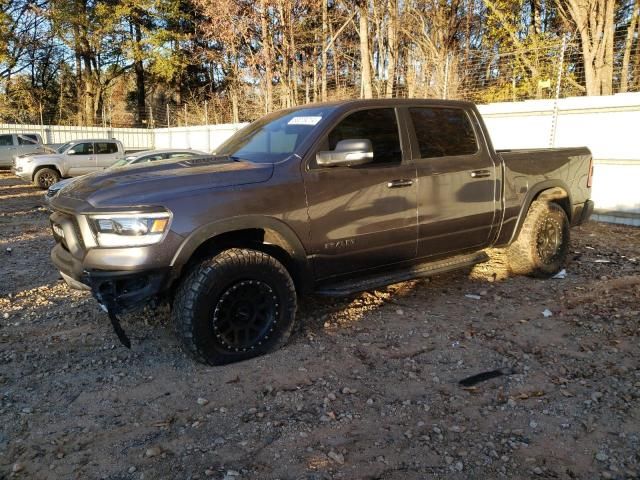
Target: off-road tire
x: 534, y: 254
x: 45, y: 177
x: 209, y: 289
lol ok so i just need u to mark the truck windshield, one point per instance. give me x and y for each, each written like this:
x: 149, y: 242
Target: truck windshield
x: 274, y: 137
x: 62, y: 148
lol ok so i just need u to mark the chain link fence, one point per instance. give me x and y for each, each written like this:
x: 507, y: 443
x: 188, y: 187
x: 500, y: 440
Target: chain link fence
x: 552, y: 70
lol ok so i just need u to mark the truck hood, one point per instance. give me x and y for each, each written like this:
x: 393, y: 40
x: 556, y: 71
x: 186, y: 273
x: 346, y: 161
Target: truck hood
x: 152, y: 184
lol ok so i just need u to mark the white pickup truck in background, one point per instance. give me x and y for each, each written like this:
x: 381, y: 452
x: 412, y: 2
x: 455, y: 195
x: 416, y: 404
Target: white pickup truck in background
x: 13, y: 145
x: 69, y: 160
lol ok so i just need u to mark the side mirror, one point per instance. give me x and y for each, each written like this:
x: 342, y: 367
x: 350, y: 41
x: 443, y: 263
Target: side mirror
x: 71, y: 152
x: 348, y: 153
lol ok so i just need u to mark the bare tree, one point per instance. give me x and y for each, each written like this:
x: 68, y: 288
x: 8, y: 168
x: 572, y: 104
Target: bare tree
x: 594, y: 20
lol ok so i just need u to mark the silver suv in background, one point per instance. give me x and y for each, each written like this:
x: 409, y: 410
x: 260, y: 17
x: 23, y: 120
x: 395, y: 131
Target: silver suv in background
x: 137, y: 158
x: 13, y: 145
x: 69, y: 160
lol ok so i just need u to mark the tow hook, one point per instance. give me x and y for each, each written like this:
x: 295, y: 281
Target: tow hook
x: 107, y: 303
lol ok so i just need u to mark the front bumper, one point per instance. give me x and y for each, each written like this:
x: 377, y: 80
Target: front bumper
x: 118, y: 291
x: 25, y: 175
x: 121, y: 279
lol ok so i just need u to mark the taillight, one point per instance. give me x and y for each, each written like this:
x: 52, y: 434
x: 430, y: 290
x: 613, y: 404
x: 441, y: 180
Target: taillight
x: 590, y: 177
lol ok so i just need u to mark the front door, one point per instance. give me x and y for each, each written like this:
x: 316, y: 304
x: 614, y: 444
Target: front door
x: 457, y: 187
x: 365, y: 216
x: 7, y: 150
x: 81, y: 159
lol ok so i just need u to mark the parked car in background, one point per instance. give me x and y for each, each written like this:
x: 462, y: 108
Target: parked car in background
x: 13, y: 145
x: 69, y: 160
x: 133, y: 159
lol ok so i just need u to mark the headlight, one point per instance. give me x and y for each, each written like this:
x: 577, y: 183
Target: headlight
x: 130, y: 230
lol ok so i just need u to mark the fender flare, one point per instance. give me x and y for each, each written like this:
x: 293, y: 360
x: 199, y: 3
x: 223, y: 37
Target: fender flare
x: 531, y: 195
x: 276, y: 231
x: 46, y: 165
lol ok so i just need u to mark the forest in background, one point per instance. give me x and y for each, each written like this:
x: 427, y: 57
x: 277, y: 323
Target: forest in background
x: 155, y: 63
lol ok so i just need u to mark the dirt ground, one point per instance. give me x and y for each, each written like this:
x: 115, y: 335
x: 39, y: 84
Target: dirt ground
x: 367, y: 388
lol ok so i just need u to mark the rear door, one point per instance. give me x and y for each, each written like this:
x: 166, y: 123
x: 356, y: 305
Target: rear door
x: 7, y: 150
x: 365, y: 216
x: 80, y: 159
x: 106, y: 154
x: 457, y: 186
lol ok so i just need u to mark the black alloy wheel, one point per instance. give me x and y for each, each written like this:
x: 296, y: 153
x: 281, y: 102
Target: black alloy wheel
x: 245, y: 315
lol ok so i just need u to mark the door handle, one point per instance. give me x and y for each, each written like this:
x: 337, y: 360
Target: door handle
x: 480, y: 173
x: 399, y: 183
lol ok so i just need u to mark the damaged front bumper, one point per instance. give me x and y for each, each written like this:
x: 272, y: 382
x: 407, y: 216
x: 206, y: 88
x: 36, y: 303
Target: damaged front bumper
x: 116, y: 291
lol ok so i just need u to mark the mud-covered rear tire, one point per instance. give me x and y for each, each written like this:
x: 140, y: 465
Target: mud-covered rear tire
x: 543, y: 243
x: 234, y: 306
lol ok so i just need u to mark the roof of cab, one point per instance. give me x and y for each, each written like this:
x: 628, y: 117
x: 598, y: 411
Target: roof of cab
x: 387, y: 102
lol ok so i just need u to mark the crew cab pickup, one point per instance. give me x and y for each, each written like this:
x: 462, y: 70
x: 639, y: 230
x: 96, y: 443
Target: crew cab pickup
x: 13, y: 145
x: 69, y: 160
x: 330, y: 198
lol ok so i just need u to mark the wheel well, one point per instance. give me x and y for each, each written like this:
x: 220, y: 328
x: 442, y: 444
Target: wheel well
x: 40, y: 167
x: 556, y: 195
x: 264, y: 240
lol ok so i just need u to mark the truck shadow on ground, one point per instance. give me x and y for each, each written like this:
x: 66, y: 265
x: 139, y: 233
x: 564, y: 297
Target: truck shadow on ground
x: 18, y: 198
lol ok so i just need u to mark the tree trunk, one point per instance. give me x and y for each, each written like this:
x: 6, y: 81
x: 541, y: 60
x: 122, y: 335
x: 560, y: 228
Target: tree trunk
x: 595, y: 22
x: 625, y: 74
x: 293, y: 84
x: 266, y: 52
x: 536, y: 25
x: 636, y: 68
x: 609, y: 32
x: 324, y: 46
x: 79, y: 78
x: 234, y: 106
x: 139, y: 69
x: 315, y: 70
x: 393, y: 46
x: 365, y: 67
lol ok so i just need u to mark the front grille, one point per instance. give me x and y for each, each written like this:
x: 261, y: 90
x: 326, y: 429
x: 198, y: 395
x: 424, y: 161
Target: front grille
x: 72, y: 239
x: 78, y: 233
x: 58, y: 238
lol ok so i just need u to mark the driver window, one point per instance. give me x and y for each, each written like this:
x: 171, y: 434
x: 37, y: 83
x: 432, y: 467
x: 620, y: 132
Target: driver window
x: 378, y: 125
x: 83, y: 149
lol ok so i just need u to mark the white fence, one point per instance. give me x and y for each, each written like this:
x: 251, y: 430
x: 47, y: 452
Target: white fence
x: 608, y: 125
x: 132, y: 138
x: 206, y: 137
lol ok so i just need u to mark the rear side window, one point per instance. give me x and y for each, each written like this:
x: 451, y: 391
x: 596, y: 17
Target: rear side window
x: 6, y: 140
x: 106, y: 147
x: 181, y: 154
x: 27, y: 139
x: 150, y: 158
x: 378, y: 125
x: 443, y: 132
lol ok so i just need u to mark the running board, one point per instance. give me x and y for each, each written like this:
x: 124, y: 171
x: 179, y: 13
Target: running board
x: 370, y: 282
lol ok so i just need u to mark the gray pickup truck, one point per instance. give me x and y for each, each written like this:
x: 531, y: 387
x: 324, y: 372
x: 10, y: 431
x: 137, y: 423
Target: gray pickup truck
x: 329, y: 198
x: 72, y: 159
x: 13, y: 145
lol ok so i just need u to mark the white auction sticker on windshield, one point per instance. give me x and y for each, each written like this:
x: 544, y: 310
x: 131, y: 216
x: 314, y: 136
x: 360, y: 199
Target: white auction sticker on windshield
x: 304, y: 120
